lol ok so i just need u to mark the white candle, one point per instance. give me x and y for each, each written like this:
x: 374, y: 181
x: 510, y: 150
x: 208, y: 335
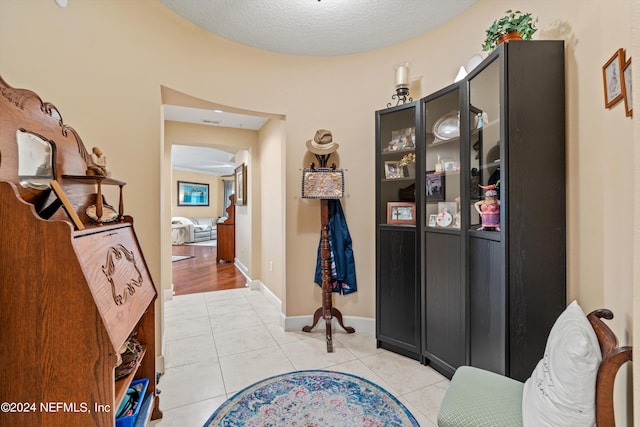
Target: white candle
x: 402, y: 76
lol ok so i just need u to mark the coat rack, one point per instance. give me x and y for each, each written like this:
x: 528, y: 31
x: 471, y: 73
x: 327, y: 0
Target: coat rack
x: 327, y: 311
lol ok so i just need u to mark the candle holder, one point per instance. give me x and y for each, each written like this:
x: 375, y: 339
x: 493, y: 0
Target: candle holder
x: 402, y: 84
x: 402, y: 94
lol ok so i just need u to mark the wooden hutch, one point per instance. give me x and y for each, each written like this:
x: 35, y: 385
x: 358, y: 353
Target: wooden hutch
x: 227, y: 234
x: 74, y: 284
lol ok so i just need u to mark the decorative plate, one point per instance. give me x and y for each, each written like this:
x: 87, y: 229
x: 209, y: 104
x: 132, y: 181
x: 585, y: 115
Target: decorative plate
x: 447, y: 126
x: 444, y: 219
x: 108, y: 213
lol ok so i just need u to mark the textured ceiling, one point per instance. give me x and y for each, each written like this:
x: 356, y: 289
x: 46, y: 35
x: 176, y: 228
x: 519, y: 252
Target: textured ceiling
x: 312, y: 27
x: 205, y: 160
x: 298, y: 27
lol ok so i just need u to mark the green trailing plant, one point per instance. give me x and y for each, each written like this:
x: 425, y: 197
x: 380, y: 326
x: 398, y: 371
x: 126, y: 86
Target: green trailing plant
x: 513, y: 21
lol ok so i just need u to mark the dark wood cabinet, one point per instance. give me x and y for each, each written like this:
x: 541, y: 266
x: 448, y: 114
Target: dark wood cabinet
x: 444, y: 310
x: 517, y: 272
x: 444, y: 298
x: 397, y: 256
x: 483, y: 263
x: 398, y: 293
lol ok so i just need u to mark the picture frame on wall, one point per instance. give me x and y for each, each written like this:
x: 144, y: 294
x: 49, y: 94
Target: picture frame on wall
x: 193, y: 193
x: 434, y: 186
x: 401, y: 213
x: 612, y: 79
x: 240, y: 185
x: 626, y: 88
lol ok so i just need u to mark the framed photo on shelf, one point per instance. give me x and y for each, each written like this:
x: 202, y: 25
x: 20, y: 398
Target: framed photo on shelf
x: 401, y: 213
x: 392, y: 170
x: 432, y: 220
x: 193, y: 194
x: 450, y: 165
x: 434, y: 186
x: 402, y: 139
x: 612, y: 76
x: 240, y: 185
x: 626, y: 88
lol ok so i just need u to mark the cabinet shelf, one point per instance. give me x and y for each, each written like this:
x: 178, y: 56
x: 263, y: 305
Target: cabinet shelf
x: 122, y: 384
x: 412, y: 179
x: 94, y: 179
x: 396, y: 152
x: 436, y: 142
x: 445, y: 230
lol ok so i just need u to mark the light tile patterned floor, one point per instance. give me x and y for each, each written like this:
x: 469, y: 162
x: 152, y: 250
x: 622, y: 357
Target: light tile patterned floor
x: 217, y: 343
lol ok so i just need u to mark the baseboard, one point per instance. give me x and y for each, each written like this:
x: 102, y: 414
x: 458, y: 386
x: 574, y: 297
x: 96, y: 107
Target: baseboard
x: 257, y: 285
x: 167, y: 294
x: 296, y: 323
x: 160, y: 364
x: 243, y: 269
x: 360, y: 324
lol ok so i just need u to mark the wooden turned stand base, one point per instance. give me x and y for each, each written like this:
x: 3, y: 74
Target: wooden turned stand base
x: 327, y: 311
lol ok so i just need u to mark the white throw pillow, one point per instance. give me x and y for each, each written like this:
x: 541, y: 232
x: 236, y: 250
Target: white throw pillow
x: 562, y: 388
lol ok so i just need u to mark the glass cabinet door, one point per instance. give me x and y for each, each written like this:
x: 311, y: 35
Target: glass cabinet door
x: 485, y: 157
x: 397, y: 144
x: 442, y: 160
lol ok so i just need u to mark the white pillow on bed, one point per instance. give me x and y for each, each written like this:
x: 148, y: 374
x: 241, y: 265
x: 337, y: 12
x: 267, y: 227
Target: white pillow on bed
x: 562, y: 388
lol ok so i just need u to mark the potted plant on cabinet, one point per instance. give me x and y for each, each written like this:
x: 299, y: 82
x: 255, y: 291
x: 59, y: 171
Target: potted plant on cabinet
x: 515, y: 25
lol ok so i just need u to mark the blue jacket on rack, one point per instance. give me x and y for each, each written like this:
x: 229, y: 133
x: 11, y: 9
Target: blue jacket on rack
x: 343, y: 266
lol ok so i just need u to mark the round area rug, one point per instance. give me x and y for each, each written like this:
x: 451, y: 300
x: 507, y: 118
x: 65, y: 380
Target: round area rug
x: 312, y: 398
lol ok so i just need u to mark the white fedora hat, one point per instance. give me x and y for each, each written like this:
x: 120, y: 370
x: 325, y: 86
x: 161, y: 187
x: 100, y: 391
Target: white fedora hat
x: 322, y: 143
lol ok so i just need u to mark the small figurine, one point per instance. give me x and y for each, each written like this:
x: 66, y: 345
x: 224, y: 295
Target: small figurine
x: 98, y: 165
x: 489, y: 209
x: 480, y: 120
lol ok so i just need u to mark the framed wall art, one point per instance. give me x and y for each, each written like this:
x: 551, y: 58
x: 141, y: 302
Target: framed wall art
x: 626, y: 88
x: 612, y: 79
x: 193, y: 194
x: 401, y: 213
x: 434, y: 186
x: 240, y: 185
x: 322, y: 184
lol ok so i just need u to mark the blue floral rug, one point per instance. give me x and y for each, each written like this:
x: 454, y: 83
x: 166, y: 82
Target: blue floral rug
x: 312, y: 398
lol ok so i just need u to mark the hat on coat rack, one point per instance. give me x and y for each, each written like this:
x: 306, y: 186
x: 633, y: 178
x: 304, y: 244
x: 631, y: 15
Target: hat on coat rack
x: 322, y: 143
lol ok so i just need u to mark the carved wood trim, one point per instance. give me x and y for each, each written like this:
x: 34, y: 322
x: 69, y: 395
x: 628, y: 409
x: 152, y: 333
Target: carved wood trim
x: 19, y: 97
x: 116, y: 253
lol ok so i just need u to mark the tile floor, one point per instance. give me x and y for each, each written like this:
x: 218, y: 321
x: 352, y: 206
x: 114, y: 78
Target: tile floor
x: 217, y: 343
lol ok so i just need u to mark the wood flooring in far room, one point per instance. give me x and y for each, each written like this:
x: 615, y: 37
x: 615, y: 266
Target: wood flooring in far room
x: 202, y: 273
